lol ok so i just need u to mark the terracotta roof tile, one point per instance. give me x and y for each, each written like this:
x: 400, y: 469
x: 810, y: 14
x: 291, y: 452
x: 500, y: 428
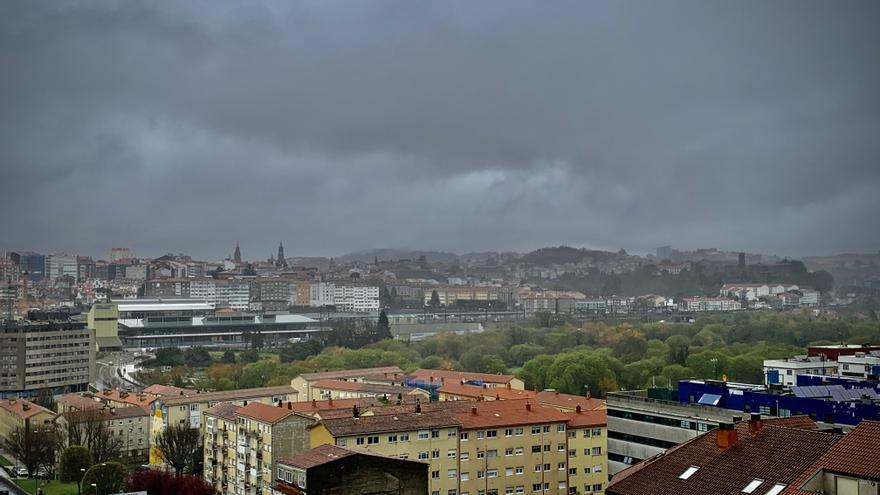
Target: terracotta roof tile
x: 486, y: 414
x: 379, y: 389
x: 568, y: 401
x: 228, y: 395
x: 23, y: 408
x: 265, y: 412
x: 476, y: 392
x: 458, y: 376
x: 855, y: 455
x: 355, y: 373
x: 317, y: 456
x: 225, y: 410
x: 381, y: 423
x: 583, y: 419
x: 774, y: 454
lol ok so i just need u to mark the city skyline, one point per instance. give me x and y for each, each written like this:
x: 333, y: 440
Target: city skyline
x: 454, y: 126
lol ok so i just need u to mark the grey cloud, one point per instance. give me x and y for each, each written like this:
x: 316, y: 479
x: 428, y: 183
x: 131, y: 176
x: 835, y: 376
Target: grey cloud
x: 456, y: 125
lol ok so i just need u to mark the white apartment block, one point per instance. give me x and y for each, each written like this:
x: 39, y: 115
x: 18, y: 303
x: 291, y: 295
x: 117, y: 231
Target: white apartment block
x: 232, y: 294
x: 860, y: 365
x: 358, y: 299
x: 708, y: 304
x: 203, y: 289
x: 785, y: 371
x: 322, y: 294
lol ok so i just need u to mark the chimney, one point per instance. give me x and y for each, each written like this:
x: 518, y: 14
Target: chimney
x: 314, y: 403
x: 355, y: 412
x: 497, y: 397
x: 330, y: 401
x: 725, y: 435
x: 508, y: 385
x: 755, y: 423
x: 588, y: 394
x: 474, y: 410
x: 528, y: 406
x: 280, y: 403
x: 578, y: 409
x: 244, y: 403
x: 418, y: 407
x: 25, y: 407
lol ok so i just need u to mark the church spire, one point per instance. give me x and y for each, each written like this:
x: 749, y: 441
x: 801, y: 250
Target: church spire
x: 280, y: 261
x: 236, y: 257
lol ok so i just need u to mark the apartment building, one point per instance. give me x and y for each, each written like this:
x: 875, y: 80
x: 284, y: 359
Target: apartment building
x: 450, y: 295
x: 204, y: 289
x: 61, y: 265
x: 234, y: 294
x: 15, y: 413
x: 587, y: 451
x: 220, y: 433
x: 187, y: 408
x: 341, y: 389
x: 55, y: 355
x: 168, y: 287
x: 512, y: 446
x: 488, y: 380
x: 709, y: 304
x: 860, y: 365
x: 322, y: 294
x: 356, y: 299
x: 305, y: 383
x: 430, y: 436
x: 273, y: 294
x: 130, y: 425
x: 9, y: 270
x: 785, y: 371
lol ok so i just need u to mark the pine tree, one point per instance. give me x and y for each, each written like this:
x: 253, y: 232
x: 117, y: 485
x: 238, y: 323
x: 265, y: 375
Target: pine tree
x: 383, y: 328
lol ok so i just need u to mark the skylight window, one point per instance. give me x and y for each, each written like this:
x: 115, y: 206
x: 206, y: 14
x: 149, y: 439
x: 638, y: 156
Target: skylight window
x: 753, y: 485
x: 777, y: 488
x: 688, y: 472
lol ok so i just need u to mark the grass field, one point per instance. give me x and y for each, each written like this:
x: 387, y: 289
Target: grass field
x: 49, y: 488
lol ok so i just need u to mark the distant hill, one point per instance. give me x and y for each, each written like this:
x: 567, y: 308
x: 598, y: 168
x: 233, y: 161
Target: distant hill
x: 389, y: 254
x: 564, y: 254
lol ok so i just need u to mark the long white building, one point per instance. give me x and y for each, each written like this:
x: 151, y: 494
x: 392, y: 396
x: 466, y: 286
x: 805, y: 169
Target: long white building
x: 358, y: 299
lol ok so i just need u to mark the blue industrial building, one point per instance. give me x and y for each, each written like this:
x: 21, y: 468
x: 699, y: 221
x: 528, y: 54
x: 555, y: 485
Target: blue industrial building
x: 832, y: 400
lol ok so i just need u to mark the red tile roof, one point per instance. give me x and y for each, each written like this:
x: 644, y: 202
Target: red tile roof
x: 856, y: 455
x: 584, y: 419
x: 376, y: 388
x: 225, y: 410
x: 774, y: 454
x: 157, y: 389
x: 23, y: 408
x: 458, y: 376
x: 486, y: 414
x: 78, y: 402
x: 568, y: 401
x: 265, y: 412
x: 381, y: 423
x: 317, y: 456
x: 355, y: 373
x: 474, y: 391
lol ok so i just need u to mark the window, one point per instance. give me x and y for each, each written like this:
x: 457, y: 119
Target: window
x: 776, y: 489
x: 547, y: 467
x: 392, y: 438
x: 560, y: 447
x: 597, y: 450
x: 359, y: 441
x: 452, y: 491
x: 519, y: 451
x: 573, y: 452
x: 536, y: 487
x: 562, y: 485
x: 520, y: 470
x: 481, y: 454
x: 685, y: 424
x: 451, y: 453
x: 520, y: 489
x: 481, y: 434
x: 588, y: 470
x: 572, y: 434
x: 451, y: 432
x: 424, y: 434
x: 518, y: 432
x: 754, y: 484
x: 463, y: 436
x: 547, y: 448
x: 546, y: 428
x: 492, y: 473
x: 597, y: 468
x: 536, y: 430
x: 404, y: 437
x: 423, y: 456
x: 372, y: 440
x: 560, y: 466
x: 508, y: 471
x: 508, y: 451
x: 702, y: 427
x: 465, y: 456
x: 597, y: 487
x: 597, y: 432
x: 536, y: 449
x: 560, y: 427
x: 435, y: 475
x: 465, y: 476
x: 492, y: 453
x: 572, y: 471
x: 537, y: 468
x: 452, y: 473
x: 586, y: 433
x: 435, y: 454
x: 688, y: 472
x: 481, y: 475
x: 435, y: 433
x: 508, y: 432
x: 491, y: 433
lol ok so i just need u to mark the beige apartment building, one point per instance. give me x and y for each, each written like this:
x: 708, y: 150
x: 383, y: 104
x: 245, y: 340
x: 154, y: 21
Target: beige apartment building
x: 188, y: 408
x: 242, y: 444
x: 512, y: 447
x: 430, y: 436
x: 305, y: 383
x: 131, y: 425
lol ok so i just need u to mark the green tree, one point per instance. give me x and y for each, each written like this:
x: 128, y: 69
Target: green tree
x: 74, y: 461
x: 228, y: 356
x: 34, y: 446
x: 494, y: 364
x: 544, y: 318
x: 107, y: 477
x: 631, y: 347
x: 383, y: 328
x: 673, y: 373
x: 435, y: 299
x: 536, y: 371
x: 679, y: 347
x: 198, y: 356
x: 168, y: 356
x: 579, y: 372
x: 178, y: 446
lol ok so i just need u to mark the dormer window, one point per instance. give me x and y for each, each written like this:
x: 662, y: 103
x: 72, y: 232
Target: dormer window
x: 776, y: 489
x: 753, y: 485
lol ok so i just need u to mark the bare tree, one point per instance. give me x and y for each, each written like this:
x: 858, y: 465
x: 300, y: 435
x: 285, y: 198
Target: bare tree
x: 35, y: 446
x: 178, y: 446
x: 91, y: 430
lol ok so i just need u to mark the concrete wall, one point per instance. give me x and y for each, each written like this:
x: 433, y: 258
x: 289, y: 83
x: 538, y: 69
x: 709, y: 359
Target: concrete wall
x: 363, y: 475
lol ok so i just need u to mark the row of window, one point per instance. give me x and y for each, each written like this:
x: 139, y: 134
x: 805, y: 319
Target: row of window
x: 510, y: 432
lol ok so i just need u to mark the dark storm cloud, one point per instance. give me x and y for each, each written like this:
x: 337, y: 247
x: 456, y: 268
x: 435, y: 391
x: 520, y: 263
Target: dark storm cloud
x: 448, y: 125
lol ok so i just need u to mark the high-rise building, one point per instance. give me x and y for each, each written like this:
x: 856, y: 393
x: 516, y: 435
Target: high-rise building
x: 119, y: 254
x: 40, y: 355
x: 9, y: 271
x: 32, y: 263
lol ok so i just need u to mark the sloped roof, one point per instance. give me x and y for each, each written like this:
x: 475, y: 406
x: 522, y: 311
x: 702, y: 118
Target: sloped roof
x: 569, y: 401
x: 598, y: 417
x: 475, y: 391
x: 497, y: 413
x: 449, y: 375
x: 381, y: 423
x: 23, y: 408
x: 355, y: 373
x: 775, y: 454
x: 225, y: 410
x: 317, y: 456
x: 856, y: 454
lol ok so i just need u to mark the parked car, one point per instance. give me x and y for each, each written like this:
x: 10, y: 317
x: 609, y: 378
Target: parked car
x: 21, y: 471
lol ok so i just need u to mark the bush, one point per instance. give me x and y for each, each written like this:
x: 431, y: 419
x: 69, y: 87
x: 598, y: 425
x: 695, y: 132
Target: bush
x: 108, y: 478
x: 164, y: 483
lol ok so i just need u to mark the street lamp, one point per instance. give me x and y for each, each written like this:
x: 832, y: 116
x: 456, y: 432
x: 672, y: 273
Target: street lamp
x: 95, y: 485
x: 82, y: 473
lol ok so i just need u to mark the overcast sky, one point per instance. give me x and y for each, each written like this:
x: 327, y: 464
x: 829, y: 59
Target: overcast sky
x: 463, y: 126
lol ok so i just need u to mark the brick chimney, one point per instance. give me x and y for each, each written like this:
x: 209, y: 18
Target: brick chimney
x: 280, y: 403
x: 474, y: 410
x: 725, y: 435
x: 289, y: 405
x: 755, y: 423
x: 314, y: 403
x: 578, y: 409
x: 528, y: 406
